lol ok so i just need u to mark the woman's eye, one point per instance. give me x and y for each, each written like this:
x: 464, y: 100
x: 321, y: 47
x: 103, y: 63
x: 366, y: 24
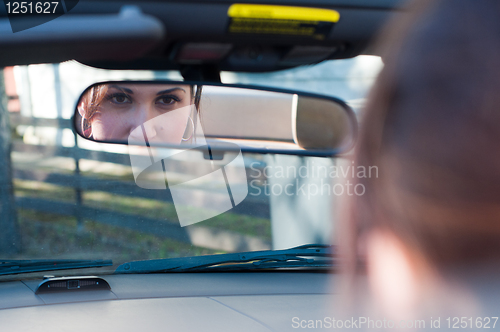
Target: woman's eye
x: 167, y: 100
x: 120, y: 99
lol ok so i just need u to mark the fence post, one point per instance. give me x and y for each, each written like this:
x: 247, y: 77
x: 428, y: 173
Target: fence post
x: 300, y: 200
x: 76, y: 156
x: 9, y: 233
x: 78, y: 189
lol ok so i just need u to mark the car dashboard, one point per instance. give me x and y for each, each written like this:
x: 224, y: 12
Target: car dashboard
x: 256, y: 301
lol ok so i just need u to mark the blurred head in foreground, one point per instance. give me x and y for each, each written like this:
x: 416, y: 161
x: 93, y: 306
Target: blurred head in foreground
x: 428, y: 227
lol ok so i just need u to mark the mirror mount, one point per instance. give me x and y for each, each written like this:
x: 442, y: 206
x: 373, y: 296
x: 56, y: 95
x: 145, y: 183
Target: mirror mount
x: 201, y: 73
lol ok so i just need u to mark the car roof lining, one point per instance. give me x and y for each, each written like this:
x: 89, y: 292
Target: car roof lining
x: 154, y: 35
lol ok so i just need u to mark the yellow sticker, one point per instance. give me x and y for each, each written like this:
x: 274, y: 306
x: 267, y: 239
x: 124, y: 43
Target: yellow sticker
x: 268, y: 19
x: 283, y: 13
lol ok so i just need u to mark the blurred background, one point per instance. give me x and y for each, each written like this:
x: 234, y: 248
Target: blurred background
x: 73, y: 198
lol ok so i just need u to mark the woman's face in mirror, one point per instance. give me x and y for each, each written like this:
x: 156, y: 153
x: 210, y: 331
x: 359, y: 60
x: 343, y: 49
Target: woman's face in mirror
x: 124, y: 107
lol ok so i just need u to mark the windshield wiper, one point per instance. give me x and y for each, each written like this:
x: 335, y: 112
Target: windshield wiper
x: 294, y: 257
x: 27, y: 266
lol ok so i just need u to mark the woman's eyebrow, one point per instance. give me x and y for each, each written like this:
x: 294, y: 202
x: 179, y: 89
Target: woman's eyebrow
x: 122, y: 89
x: 169, y: 90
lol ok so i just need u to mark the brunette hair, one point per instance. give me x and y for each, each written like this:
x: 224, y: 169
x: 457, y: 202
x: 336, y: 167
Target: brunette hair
x: 432, y: 127
x: 91, y: 99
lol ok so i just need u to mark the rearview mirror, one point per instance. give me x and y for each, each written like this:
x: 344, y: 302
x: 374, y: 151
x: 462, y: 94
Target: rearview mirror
x: 184, y: 115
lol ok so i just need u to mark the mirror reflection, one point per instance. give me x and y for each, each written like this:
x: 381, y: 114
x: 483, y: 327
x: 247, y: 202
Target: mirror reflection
x: 182, y: 114
x: 111, y: 112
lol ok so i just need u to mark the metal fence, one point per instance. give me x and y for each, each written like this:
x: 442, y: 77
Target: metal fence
x: 201, y: 236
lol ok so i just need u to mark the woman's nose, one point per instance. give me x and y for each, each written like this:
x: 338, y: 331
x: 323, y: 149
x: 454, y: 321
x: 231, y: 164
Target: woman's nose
x: 144, y: 113
x: 144, y: 116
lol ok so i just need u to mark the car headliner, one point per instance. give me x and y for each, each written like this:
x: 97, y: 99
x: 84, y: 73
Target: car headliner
x: 150, y: 37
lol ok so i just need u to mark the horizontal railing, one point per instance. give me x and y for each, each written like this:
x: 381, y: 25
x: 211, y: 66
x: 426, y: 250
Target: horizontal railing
x: 201, y: 236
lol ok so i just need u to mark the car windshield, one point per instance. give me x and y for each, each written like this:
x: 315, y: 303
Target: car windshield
x: 73, y: 199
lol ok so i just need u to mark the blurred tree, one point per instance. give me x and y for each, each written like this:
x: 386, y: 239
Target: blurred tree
x: 9, y: 234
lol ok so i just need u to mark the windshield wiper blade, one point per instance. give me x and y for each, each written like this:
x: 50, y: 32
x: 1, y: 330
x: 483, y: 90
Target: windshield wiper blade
x: 294, y: 257
x: 259, y: 265
x: 36, y: 265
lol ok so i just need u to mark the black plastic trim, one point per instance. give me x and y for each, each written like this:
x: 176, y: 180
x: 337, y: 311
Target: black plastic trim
x: 72, y: 284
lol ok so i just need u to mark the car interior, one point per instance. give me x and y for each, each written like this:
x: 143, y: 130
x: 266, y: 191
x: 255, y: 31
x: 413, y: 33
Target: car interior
x: 242, y: 282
